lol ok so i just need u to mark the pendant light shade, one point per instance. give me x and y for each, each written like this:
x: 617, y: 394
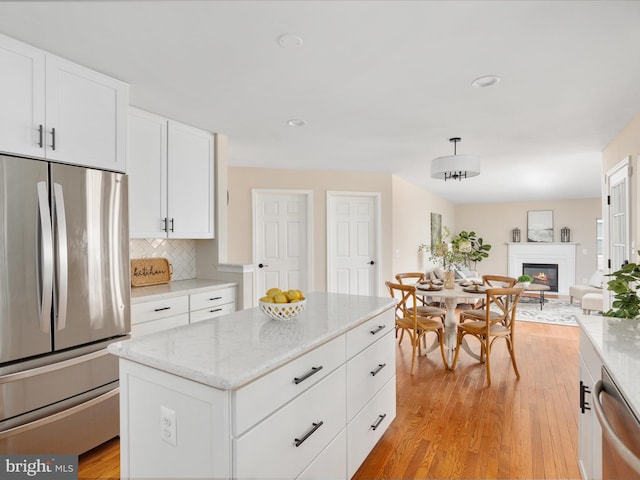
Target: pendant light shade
x: 455, y: 167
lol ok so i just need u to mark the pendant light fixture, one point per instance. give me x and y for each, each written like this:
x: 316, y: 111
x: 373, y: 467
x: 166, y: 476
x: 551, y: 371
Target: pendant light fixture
x: 455, y: 167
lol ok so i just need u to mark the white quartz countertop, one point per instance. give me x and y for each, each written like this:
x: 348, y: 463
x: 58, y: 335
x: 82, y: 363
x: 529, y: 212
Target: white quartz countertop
x: 175, y: 289
x: 617, y: 343
x: 230, y: 351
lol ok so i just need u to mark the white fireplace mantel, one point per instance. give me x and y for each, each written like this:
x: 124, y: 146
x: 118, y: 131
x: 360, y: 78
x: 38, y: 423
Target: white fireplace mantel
x: 561, y: 253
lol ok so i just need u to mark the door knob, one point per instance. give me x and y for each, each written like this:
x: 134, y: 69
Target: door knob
x: 372, y: 262
x: 261, y: 265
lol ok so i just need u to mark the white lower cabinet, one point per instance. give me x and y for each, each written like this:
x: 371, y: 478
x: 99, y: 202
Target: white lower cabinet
x: 285, y: 443
x: 589, y: 430
x: 331, y: 464
x: 157, y: 315
x: 364, y: 431
x: 211, y: 304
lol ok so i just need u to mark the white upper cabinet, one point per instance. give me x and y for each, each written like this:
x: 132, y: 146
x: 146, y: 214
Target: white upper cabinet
x: 22, y: 98
x: 61, y: 111
x: 171, y: 178
x: 147, y: 169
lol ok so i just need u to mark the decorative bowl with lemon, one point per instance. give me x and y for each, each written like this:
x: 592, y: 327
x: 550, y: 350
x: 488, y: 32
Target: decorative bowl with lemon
x: 283, y: 305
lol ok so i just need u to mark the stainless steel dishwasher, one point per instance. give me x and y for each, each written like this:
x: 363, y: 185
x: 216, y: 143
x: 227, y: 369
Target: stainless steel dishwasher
x: 620, y: 431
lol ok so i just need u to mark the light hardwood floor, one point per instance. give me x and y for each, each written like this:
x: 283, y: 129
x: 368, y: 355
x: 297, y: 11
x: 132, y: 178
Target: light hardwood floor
x: 450, y: 425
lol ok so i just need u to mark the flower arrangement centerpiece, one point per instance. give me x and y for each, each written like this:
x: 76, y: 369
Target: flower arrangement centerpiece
x: 625, y: 284
x: 465, y: 249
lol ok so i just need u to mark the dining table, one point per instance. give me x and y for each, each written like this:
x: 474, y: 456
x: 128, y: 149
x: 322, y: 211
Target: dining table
x: 451, y: 296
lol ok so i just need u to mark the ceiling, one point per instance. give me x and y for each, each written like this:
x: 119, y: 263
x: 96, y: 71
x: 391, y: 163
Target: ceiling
x: 381, y: 85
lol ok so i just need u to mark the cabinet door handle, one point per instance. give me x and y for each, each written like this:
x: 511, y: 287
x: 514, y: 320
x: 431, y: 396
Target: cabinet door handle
x: 377, y: 370
x: 376, y: 330
x: 172, y: 224
x: 584, y: 405
x: 40, y: 136
x: 315, y: 426
x: 215, y: 298
x: 53, y: 139
x: 379, y: 421
x: 161, y: 309
x: 164, y: 222
x: 313, y: 371
x: 215, y: 310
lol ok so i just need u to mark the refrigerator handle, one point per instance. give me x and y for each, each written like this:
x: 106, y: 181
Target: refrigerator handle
x: 63, y: 268
x: 44, y: 246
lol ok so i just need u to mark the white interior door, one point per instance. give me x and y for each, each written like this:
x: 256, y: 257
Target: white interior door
x: 617, y: 215
x: 282, y: 239
x: 353, y: 242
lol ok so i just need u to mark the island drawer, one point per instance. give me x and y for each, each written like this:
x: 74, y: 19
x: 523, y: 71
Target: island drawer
x: 368, y: 426
x: 258, y: 399
x: 364, y: 335
x: 212, y: 298
x: 155, y: 309
x: 368, y: 371
x: 285, y: 443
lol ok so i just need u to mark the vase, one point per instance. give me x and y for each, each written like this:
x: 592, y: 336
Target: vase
x: 449, y: 280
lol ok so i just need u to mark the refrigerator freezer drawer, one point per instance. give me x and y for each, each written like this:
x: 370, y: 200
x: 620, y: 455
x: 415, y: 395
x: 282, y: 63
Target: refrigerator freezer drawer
x: 38, y: 387
x: 72, y: 431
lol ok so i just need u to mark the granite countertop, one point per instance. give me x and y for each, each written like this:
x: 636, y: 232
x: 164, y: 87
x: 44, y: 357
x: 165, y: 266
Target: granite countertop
x: 175, y: 289
x: 617, y: 343
x: 230, y: 351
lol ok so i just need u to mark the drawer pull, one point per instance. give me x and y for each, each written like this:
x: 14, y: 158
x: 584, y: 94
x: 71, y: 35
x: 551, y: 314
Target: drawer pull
x: 215, y: 310
x: 307, y: 375
x: 215, y: 298
x: 161, y: 309
x: 377, y: 370
x: 378, y: 422
x: 316, y: 426
x: 376, y: 330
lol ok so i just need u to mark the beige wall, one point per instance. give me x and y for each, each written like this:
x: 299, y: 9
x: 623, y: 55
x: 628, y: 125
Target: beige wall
x: 626, y: 143
x: 406, y: 212
x: 240, y: 231
x: 411, y: 224
x: 494, y: 222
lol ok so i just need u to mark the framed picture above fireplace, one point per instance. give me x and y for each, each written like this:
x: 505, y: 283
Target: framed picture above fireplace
x: 540, y: 226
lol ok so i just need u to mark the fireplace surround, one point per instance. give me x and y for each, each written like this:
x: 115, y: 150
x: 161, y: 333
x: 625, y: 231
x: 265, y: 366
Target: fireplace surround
x: 562, y: 254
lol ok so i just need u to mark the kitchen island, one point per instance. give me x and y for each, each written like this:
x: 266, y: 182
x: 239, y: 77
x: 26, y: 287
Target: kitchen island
x: 612, y: 343
x: 245, y: 396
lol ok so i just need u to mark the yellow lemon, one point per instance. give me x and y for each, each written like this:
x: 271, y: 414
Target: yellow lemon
x: 272, y: 292
x: 281, y: 298
x: 267, y: 299
x: 293, y: 295
x: 301, y: 294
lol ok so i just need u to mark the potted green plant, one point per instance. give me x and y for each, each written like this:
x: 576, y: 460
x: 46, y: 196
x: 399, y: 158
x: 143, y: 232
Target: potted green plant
x: 525, y: 280
x: 472, y: 247
x: 626, y: 303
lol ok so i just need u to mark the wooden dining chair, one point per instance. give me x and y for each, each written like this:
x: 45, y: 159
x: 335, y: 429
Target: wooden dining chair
x: 423, y: 306
x: 491, y: 328
x: 416, y: 325
x: 488, y: 281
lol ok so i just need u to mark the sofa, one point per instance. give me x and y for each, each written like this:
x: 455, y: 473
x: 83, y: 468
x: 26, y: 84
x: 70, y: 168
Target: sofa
x: 594, y: 285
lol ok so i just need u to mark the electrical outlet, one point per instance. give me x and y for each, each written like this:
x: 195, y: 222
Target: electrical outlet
x: 168, y: 426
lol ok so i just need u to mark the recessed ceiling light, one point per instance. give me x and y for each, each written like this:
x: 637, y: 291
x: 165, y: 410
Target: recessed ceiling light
x: 289, y: 40
x: 296, y: 122
x: 486, y: 81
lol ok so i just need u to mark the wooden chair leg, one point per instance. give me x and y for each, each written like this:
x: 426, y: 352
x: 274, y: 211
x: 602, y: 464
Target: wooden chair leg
x: 413, y: 353
x: 513, y: 357
x: 488, y: 363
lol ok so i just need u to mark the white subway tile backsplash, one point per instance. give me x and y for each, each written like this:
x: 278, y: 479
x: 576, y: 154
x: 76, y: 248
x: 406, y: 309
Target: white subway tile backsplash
x: 180, y: 253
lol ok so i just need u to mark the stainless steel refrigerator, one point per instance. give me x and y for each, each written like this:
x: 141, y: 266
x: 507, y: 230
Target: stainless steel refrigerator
x: 64, y: 296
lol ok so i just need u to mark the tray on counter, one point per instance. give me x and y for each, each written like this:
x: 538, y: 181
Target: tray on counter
x: 150, y: 271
